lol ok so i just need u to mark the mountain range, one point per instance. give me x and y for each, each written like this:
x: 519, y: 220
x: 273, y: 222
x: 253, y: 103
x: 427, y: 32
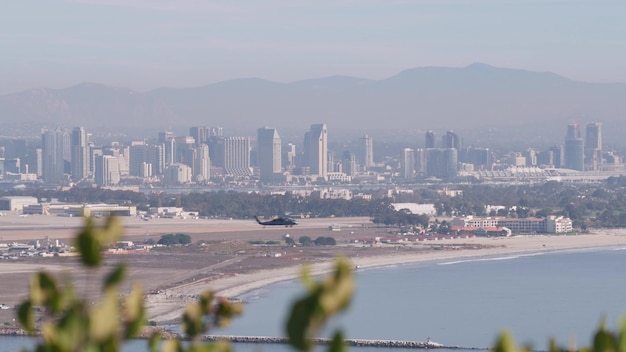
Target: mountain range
x: 475, y: 97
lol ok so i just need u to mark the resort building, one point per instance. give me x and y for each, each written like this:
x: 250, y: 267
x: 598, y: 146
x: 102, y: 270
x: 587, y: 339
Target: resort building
x: 550, y: 224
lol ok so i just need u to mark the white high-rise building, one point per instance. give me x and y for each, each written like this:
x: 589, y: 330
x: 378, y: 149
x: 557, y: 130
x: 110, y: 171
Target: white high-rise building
x: 202, y: 164
x: 408, y: 164
x: 367, y: 146
x: 318, y: 151
x: 269, y: 154
x: 237, y: 156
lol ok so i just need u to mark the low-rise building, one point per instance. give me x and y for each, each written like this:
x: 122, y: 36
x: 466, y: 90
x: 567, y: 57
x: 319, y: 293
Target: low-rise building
x: 16, y: 203
x: 551, y: 224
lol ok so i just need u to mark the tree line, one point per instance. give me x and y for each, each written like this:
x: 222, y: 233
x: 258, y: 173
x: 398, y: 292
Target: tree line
x: 601, y: 204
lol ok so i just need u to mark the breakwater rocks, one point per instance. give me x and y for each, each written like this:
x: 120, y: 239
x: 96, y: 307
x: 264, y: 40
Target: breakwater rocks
x: 9, y: 331
x: 351, y: 342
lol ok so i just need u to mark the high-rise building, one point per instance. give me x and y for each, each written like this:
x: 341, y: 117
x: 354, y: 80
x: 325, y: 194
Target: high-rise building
x: 531, y: 157
x: 200, y: 135
x: 216, y: 132
x: 237, y: 156
x: 367, y: 152
x: 451, y: 140
x: 185, y: 150
x: 52, y: 156
x: 33, y: 161
x: 349, y: 163
x: 559, y: 156
x: 177, y: 174
x: 167, y: 140
x: 80, y: 153
x: 107, y: 171
x: 145, y: 160
x: 407, y: 164
x: 480, y: 158
x: 574, y: 148
x: 269, y: 154
x: 430, y: 139
x: 289, y: 156
x: 593, y: 146
x: 216, y: 151
x: 202, y: 163
x: 545, y: 158
x: 442, y: 163
x: 318, y: 150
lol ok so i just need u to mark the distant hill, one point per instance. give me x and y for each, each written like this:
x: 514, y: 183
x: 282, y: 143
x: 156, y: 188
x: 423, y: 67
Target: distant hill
x: 475, y: 97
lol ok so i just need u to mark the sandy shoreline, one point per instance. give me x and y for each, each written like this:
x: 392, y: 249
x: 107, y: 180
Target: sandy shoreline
x: 168, y: 306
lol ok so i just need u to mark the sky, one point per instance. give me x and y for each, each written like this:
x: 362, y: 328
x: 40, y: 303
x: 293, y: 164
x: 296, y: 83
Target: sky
x: 147, y: 44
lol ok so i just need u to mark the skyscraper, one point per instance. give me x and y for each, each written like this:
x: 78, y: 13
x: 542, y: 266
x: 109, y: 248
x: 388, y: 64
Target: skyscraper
x: 318, y: 150
x: 200, y: 135
x: 593, y: 146
x: 367, y: 152
x: 202, y: 163
x: 269, y: 154
x: 289, y: 156
x: 407, y: 164
x: 107, y: 171
x: 52, y: 156
x: 574, y: 148
x: 430, y: 139
x: 442, y: 163
x: 237, y: 156
x: 79, y: 153
x: 166, y: 139
x: 451, y: 140
x: 559, y: 156
x: 348, y: 163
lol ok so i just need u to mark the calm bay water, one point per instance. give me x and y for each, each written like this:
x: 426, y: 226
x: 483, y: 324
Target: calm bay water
x: 466, y: 303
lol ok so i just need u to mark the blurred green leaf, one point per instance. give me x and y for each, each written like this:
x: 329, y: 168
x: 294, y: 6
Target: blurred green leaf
x: 324, y: 299
x: 26, y: 317
x: 192, y: 323
x: 337, y: 343
x: 134, y: 312
x: 115, y: 277
x: 505, y: 343
x: 88, y: 246
x: 604, y: 341
x: 105, y: 317
x: 153, y: 341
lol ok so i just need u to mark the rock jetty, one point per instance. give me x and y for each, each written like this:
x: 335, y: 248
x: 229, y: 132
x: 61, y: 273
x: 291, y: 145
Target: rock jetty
x: 351, y: 342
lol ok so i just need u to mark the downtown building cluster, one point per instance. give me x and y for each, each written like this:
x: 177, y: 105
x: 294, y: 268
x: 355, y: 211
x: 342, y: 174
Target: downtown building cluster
x: 451, y: 160
x: 69, y: 157
x: 206, y: 156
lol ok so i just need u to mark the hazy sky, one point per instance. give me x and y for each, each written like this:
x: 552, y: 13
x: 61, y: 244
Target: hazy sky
x: 146, y: 44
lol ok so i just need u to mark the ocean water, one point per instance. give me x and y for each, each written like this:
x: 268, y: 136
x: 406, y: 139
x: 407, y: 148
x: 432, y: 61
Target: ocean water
x: 562, y: 294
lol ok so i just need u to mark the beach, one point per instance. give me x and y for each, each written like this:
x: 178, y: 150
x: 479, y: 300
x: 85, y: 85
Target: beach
x: 162, y: 310
x: 227, y: 264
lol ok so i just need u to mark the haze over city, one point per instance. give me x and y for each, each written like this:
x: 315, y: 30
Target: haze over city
x: 144, y: 45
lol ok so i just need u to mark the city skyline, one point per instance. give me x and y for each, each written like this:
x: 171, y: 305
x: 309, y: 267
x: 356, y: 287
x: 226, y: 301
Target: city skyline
x: 70, y: 157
